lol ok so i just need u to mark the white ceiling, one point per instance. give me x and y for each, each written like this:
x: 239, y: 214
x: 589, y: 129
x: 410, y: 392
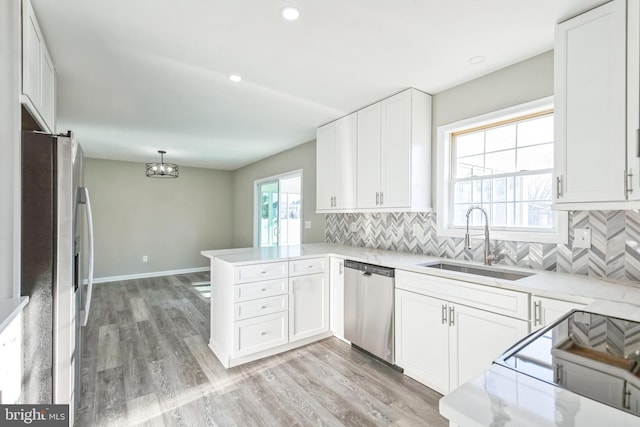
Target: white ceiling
x: 138, y: 76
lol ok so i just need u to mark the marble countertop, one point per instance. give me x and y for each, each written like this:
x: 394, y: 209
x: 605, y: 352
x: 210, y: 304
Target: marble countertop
x: 9, y: 309
x: 576, y: 288
x: 503, y: 397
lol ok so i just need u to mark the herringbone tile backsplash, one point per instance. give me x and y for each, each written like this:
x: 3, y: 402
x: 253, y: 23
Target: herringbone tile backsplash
x: 614, y: 252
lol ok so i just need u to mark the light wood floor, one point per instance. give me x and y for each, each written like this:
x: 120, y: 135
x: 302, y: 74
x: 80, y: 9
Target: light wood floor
x: 146, y: 362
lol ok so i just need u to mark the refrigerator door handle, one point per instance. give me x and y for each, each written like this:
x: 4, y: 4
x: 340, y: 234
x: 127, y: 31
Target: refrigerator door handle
x: 87, y: 203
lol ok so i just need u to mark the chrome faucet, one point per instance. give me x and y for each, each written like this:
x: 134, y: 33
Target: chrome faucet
x: 488, y: 256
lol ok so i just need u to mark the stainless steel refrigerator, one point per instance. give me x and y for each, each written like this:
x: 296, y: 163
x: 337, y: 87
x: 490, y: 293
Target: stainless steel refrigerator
x: 57, y: 267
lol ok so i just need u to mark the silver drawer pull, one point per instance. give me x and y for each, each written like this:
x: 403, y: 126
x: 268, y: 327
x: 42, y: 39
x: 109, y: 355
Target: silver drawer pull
x: 263, y: 307
x: 263, y: 289
x: 263, y: 272
x: 263, y: 333
x: 309, y: 266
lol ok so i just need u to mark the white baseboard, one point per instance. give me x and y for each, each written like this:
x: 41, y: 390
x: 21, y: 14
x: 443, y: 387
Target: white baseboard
x: 149, y: 274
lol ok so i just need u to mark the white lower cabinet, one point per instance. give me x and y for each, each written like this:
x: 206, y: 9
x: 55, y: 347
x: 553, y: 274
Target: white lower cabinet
x: 261, y: 309
x: 336, y: 293
x: 443, y: 343
x: 545, y: 311
x: 11, y: 358
x: 422, y: 339
x: 260, y: 333
x: 308, y: 306
x: 476, y: 339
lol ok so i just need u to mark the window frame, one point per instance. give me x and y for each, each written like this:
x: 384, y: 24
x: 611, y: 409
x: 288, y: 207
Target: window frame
x: 444, y: 166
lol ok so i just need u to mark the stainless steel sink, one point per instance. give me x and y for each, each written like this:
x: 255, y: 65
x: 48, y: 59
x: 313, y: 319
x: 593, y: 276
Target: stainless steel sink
x: 477, y: 270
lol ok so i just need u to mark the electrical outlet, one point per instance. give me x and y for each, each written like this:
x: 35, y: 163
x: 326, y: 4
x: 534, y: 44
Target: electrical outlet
x: 145, y: 258
x: 354, y: 227
x: 307, y: 225
x: 417, y: 229
x: 582, y: 238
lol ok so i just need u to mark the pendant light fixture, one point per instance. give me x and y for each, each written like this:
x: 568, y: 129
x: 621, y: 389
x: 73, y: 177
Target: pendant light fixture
x: 162, y: 169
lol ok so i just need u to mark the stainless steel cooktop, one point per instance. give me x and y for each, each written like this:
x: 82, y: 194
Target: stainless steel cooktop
x: 590, y: 354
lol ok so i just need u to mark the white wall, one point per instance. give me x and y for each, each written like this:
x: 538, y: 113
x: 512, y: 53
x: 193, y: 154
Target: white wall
x: 10, y: 148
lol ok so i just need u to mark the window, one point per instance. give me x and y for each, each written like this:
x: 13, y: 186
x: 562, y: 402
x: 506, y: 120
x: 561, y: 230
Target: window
x: 278, y: 210
x: 503, y: 162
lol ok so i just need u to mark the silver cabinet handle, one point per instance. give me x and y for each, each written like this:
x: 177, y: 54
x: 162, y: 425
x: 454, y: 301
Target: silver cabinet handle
x: 537, y: 313
x: 263, y: 333
x: 558, y: 187
x: 627, y: 398
x: 377, y: 198
x: 263, y: 307
x: 263, y: 289
x: 558, y: 378
x: 381, y: 198
x: 444, y: 314
x: 628, y: 182
x: 452, y: 316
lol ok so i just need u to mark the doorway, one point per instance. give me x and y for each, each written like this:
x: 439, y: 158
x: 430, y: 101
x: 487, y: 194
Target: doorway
x: 278, y: 213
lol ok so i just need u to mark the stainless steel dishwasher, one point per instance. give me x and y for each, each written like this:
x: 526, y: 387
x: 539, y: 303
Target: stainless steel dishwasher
x: 368, y: 308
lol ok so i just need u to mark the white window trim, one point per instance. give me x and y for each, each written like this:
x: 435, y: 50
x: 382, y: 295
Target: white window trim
x: 443, y: 174
x: 256, y: 218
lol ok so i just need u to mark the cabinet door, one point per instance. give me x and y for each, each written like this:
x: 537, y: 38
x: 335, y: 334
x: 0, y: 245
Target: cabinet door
x: 477, y: 338
x: 308, y: 306
x: 422, y: 339
x: 590, y: 110
x: 368, y: 181
x: 337, y: 297
x: 632, y: 394
x: 633, y: 98
x: 31, y: 57
x: 11, y: 357
x: 48, y: 91
x: 325, y: 143
x: 345, y: 163
x: 547, y: 310
x: 395, y: 151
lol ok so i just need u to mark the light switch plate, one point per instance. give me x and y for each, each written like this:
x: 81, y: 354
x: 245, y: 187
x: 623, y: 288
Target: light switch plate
x: 582, y: 238
x: 307, y: 225
x: 417, y: 228
x: 354, y: 227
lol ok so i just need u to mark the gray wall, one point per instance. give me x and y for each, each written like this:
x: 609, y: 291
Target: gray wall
x: 519, y: 83
x: 300, y: 157
x: 169, y: 220
x: 10, y: 145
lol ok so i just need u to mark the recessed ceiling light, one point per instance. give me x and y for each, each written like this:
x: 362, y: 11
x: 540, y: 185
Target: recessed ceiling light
x: 235, y: 78
x: 290, y: 13
x: 475, y: 60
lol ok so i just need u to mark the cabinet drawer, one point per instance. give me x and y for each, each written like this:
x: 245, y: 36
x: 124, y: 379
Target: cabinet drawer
x: 260, y: 307
x: 255, y: 272
x: 307, y: 266
x: 267, y: 288
x: 260, y: 333
x: 496, y: 300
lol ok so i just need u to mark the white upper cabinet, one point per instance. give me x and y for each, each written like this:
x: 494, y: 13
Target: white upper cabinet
x: 378, y: 158
x: 38, y: 73
x: 596, y: 164
x: 394, y: 153
x: 336, y: 165
x: 369, y: 142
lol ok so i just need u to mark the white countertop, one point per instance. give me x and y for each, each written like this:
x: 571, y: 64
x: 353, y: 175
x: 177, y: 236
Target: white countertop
x: 503, y: 397
x: 9, y: 309
x: 551, y: 284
